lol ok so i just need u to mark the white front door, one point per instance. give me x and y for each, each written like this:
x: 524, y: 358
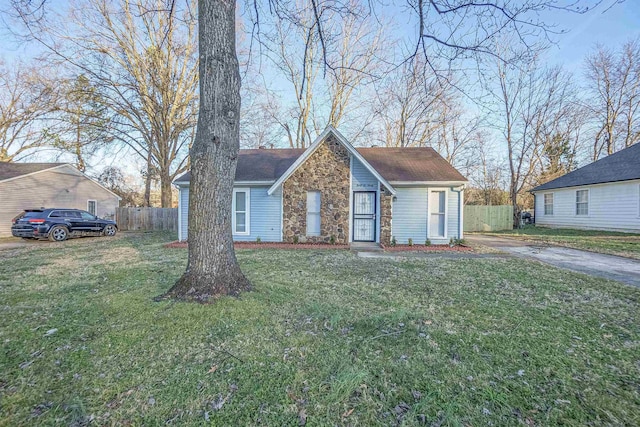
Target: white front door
x: 364, y: 216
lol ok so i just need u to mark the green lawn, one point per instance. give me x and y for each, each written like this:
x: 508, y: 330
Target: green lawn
x: 326, y: 338
x: 606, y: 242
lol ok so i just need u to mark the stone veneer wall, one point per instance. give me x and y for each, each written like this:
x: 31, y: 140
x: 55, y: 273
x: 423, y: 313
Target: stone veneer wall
x: 327, y: 171
x: 385, y: 215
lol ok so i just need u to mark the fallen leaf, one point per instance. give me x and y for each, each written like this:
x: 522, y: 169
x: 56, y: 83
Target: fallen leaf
x: 347, y: 413
x: 212, y: 369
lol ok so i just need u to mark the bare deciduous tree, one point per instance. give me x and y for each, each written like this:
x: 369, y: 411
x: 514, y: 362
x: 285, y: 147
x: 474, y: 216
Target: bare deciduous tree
x: 80, y: 125
x: 27, y: 99
x: 614, y: 86
x: 141, y: 56
x: 531, y: 105
x: 415, y: 108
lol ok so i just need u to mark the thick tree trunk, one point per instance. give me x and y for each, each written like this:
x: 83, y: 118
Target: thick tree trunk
x: 147, y: 182
x: 212, y: 268
x: 165, y: 190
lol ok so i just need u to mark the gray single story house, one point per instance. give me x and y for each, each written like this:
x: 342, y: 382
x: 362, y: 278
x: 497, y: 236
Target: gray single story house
x: 604, y: 195
x: 50, y: 185
x: 333, y: 192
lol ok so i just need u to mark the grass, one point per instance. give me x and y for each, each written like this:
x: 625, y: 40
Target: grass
x: 326, y: 338
x: 606, y: 242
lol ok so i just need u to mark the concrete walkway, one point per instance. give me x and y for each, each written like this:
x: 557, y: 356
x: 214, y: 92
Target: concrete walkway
x: 612, y: 267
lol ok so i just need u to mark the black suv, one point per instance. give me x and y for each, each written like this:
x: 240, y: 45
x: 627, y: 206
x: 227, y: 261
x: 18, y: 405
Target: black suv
x: 59, y: 224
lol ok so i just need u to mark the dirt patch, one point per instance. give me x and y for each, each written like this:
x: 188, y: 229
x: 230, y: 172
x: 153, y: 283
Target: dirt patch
x: 268, y: 245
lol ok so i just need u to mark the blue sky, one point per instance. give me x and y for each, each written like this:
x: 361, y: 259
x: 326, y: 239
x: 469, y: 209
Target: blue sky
x: 610, y: 28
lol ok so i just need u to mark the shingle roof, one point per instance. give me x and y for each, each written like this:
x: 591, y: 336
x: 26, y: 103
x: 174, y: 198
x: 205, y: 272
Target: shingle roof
x: 621, y: 166
x: 418, y: 164
x: 394, y: 164
x: 12, y: 170
x: 260, y: 165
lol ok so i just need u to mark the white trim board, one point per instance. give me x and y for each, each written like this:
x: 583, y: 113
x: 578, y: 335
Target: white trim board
x: 247, y: 211
x: 235, y: 183
x: 313, y: 147
x: 446, y: 213
x: 428, y: 183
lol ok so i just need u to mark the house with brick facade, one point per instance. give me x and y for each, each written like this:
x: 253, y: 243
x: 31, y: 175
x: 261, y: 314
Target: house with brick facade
x: 334, y: 192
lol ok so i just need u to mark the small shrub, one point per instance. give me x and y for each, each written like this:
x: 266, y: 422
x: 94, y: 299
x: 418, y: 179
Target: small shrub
x: 393, y: 241
x: 451, y: 242
x: 258, y: 239
x: 332, y: 239
x: 427, y: 242
x: 295, y: 239
x: 410, y: 241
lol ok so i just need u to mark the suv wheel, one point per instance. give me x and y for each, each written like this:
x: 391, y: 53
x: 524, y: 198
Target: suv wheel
x: 58, y: 234
x: 109, y: 230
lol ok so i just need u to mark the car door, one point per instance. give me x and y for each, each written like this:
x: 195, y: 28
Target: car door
x: 90, y: 221
x: 75, y: 220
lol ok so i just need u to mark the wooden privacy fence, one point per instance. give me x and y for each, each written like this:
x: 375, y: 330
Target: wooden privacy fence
x: 488, y: 218
x: 147, y: 219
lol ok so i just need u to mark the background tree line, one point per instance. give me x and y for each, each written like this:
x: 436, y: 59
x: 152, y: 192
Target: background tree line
x: 117, y: 80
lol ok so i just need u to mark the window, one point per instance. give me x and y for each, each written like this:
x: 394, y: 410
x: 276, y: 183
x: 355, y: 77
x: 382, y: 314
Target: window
x: 582, y: 202
x: 92, y: 207
x: 87, y: 215
x: 57, y: 214
x: 313, y: 213
x: 240, y: 219
x: 548, y: 204
x: 437, y: 213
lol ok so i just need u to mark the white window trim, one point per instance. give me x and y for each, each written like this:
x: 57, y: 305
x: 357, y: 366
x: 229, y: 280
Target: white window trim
x: 446, y: 212
x: 544, y: 204
x: 96, y: 204
x: 247, y: 191
x: 575, y: 210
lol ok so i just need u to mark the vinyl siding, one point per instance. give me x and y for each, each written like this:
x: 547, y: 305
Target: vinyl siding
x: 410, y: 212
x: 64, y: 187
x: 264, y: 215
x: 184, y: 212
x: 410, y: 215
x: 452, y: 214
x: 361, y: 178
x: 613, y: 206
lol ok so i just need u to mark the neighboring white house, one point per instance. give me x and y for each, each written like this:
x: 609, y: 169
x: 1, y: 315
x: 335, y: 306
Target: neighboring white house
x: 604, y: 195
x: 50, y: 185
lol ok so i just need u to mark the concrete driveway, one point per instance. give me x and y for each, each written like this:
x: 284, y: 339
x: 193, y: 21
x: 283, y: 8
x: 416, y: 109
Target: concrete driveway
x: 623, y: 270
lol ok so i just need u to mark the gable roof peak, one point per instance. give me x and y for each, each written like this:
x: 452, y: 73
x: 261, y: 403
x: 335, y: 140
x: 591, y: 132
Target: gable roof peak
x: 329, y: 130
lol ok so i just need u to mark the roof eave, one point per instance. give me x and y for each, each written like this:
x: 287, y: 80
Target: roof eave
x: 253, y: 182
x: 428, y: 183
x: 538, y: 189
